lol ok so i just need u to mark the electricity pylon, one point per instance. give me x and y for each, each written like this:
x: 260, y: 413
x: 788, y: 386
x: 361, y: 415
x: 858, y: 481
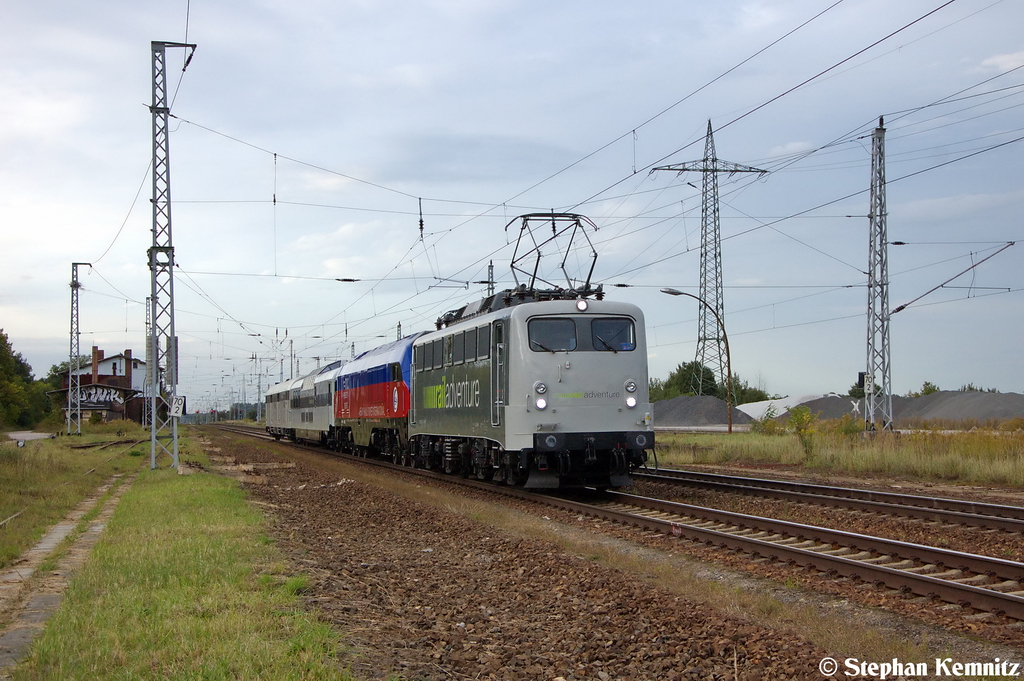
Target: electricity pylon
x: 877, y: 379
x: 711, y: 351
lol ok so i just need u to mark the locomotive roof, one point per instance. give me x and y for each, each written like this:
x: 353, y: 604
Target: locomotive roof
x: 511, y: 298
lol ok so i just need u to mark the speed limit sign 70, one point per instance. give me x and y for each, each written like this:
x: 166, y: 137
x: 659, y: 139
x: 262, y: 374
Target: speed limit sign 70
x: 177, y: 406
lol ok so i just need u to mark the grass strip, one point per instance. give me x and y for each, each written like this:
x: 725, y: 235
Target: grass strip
x: 973, y: 458
x: 184, y: 583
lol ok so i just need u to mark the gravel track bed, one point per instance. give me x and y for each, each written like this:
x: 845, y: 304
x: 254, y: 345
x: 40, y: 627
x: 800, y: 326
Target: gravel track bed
x: 1005, y: 545
x: 431, y: 595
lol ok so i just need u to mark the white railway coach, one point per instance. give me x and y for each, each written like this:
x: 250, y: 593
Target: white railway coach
x: 303, y: 408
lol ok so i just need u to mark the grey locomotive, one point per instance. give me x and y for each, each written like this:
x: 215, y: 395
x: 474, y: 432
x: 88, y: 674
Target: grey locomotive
x: 541, y: 389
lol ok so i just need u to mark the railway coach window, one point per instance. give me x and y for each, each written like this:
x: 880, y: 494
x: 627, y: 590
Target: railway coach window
x: 483, y: 342
x: 615, y: 334
x: 459, y: 348
x: 438, y: 352
x: 552, y: 335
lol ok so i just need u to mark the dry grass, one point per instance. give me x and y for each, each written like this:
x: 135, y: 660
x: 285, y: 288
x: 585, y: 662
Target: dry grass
x: 986, y: 457
x: 45, y: 479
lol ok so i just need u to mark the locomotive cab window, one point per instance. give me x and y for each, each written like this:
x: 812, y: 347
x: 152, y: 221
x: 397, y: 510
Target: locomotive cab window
x: 552, y: 335
x: 613, y: 334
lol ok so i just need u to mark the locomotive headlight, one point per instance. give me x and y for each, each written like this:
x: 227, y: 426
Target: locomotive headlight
x: 541, y: 404
x: 582, y: 305
x: 630, y: 401
x: 630, y: 386
x: 540, y: 387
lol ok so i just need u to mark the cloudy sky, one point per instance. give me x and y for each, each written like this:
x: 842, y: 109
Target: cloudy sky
x: 351, y: 113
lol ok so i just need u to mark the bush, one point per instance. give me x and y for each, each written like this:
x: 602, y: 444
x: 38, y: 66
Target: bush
x: 801, y: 421
x: 846, y: 425
x: 768, y: 424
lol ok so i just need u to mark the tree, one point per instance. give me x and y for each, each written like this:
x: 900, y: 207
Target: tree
x: 927, y: 388
x: 744, y: 392
x: 58, y: 373
x: 682, y: 380
x: 23, y: 400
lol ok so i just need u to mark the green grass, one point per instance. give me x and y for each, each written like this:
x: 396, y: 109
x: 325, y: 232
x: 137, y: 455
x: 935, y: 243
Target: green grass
x: 981, y: 457
x: 184, y: 584
x: 45, y: 479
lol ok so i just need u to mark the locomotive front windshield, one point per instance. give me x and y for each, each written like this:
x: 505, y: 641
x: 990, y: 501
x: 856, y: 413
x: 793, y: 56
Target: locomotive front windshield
x: 601, y: 334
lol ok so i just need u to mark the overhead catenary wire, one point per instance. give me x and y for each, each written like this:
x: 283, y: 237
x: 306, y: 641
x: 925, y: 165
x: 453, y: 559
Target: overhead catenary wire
x: 393, y: 278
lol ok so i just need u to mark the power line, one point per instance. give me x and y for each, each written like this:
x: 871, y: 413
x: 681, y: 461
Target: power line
x: 783, y: 94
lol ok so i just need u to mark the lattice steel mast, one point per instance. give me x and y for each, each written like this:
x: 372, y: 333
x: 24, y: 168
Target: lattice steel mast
x: 162, y: 341
x: 877, y: 379
x: 711, y: 350
x: 74, y: 359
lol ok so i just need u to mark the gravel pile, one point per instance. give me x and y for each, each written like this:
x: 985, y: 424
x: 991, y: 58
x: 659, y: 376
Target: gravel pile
x: 947, y: 405
x: 427, y: 594
x: 694, y: 410
x: 956, y: 405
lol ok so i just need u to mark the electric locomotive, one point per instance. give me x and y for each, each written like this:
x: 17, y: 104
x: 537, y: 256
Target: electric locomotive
x: 544, y: 389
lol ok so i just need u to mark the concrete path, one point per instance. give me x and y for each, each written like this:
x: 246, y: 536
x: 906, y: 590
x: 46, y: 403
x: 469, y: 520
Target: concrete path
x: 25, y: 435
x: 28, y: 598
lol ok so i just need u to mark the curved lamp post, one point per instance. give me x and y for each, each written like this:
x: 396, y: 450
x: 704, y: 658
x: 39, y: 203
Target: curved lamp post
x: 725, y: 339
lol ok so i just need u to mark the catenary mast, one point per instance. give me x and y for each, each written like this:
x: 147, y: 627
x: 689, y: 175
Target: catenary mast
x: 75, y: 359
x: 163, y: 343
x: 877, y: 378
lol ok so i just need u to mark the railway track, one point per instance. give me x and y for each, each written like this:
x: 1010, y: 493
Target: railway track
x: 983, y: 583
x: 935, y: 509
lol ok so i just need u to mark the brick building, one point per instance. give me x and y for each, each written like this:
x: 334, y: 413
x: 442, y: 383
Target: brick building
x: 112, y: 386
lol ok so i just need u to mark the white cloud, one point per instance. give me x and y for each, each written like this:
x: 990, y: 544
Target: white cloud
x: 1005, y: 62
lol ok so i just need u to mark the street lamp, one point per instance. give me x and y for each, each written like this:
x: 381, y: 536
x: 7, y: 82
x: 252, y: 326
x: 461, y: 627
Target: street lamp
x: 725, y: 339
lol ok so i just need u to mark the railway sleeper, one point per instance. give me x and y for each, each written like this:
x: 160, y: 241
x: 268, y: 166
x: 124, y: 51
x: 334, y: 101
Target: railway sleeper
x: 1009, y: 586
x: 823, y: 548
x: 842, y: 551
x: 789, y: 541
x: 922, y: 569
x: 902, y: 565
x: 976, y: 580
